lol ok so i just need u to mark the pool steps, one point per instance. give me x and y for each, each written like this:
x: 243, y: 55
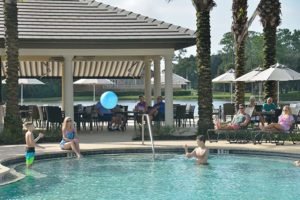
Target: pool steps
x: 8, y: 175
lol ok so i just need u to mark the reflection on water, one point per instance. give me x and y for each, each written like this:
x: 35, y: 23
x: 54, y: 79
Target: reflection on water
x: 130, y: 103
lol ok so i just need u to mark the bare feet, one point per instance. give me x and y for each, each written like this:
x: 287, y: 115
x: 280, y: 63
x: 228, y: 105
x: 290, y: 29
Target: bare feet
x: 217, y: 125
x: 261, y: 127
x: 79, y: 156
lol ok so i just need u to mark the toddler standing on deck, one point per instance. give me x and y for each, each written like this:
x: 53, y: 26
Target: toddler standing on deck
x: 31, y: 143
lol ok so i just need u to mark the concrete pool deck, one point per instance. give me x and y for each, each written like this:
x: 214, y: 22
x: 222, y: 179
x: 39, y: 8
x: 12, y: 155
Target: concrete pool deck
x: 105, y: 140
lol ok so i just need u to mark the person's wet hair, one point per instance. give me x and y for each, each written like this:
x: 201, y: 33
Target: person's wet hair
x: 201, y: 138
x: 26, y: 125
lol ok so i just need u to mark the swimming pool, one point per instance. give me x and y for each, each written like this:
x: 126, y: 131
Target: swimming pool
x: 169, y: 176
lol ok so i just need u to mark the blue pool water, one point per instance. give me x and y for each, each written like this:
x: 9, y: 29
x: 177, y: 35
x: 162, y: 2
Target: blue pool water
x: 169, y: 176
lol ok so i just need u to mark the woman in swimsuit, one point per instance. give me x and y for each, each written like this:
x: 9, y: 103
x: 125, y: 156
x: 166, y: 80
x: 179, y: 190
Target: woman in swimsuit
x: 69, y: 140
x: 285, y: 121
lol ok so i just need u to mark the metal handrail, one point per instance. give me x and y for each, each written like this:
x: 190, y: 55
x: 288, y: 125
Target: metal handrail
x: 146, y: 116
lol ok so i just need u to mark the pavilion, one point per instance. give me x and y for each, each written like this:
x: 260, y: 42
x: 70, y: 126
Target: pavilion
x: 87, y: 39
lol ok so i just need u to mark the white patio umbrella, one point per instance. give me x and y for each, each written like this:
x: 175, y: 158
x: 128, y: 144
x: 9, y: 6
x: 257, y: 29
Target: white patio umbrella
x: 93, y: 82
x: 277, y: 72
x: 26, y: 81
x: 248, y: 77
x: 227, y: 77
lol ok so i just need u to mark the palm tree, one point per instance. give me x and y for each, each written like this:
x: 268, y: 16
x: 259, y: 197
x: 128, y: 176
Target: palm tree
x: 269, y: 12
x: 12, y: 121
x: 239, y: 13
x: 203, y: 44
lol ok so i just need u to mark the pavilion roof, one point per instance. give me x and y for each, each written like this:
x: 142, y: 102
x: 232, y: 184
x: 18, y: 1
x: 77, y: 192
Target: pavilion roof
x: 92, y: 24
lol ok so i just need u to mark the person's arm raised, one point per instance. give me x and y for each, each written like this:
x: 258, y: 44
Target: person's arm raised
x: 187, y: 154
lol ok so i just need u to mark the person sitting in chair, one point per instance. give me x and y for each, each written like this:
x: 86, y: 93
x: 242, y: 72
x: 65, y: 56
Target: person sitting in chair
x: 269, y: 106
x: 250, y: 110
x: 239, y: 121
x: 158, y: 109
x: 285, y: 121
x: 140, y: 108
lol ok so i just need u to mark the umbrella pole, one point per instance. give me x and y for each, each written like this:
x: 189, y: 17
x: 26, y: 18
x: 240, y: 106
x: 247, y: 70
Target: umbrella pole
x: 259, y: 91
x: 21, y: 94
x: 94, y: 92
x: 231, y: 92
x: 277, y: 92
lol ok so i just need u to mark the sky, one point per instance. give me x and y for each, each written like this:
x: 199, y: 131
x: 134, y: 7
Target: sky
x: 182, y: 13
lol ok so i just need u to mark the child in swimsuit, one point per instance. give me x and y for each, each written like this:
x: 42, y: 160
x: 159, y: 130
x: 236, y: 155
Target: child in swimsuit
x: 200, y: 152
x: 31, y: 143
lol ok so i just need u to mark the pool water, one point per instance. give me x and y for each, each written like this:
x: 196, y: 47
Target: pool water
x: 169, y: 176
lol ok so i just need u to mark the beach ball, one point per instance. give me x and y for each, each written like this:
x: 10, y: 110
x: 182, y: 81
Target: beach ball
x: 109, y: 100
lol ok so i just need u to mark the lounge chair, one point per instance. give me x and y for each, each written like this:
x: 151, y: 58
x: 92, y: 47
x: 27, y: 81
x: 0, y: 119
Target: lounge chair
x: 242, y: 135
x: 276, y: 137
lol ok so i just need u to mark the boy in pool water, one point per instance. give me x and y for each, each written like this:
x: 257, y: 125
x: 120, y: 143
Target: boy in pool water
x: 297, y: 163
x: 31, y: 143
x: 200, y: 152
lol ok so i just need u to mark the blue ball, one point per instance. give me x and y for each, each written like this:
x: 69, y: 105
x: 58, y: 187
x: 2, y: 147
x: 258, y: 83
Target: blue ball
x: 109, y: 100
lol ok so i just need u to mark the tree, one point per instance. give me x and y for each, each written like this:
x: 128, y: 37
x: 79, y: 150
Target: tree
x: 12, y: 120
x: 269, y: 12
x: 254, y: 53
x: 203, y: 44
x: 186, y: 67
x: 239, y: 13
x: 228, y: 47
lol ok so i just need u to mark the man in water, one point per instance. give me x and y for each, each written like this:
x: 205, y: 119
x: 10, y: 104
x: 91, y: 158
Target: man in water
x: 200, y: 152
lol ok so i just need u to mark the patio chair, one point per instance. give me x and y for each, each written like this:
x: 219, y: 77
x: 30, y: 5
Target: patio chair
x: 180, y: 114
x: 35, y: 116
x: 228, y: 110
x: 158, y: 119
x: 25, y: 113
x: 43, y: 116
x: 54, y: 117
x: 189, y: 115
x: 90, y: 117
x: 78, y: 114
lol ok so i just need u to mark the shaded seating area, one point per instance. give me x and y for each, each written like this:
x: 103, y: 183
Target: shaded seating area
x: 89, y: 117
x: 55, y: 117
x: 180, y: 115
x: 25, y: 112
x: 190, y: 115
